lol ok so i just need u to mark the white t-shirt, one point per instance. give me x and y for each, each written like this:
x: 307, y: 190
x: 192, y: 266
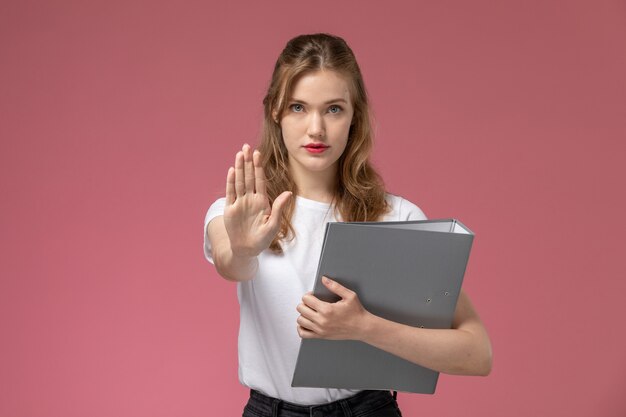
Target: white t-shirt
x: 268, y: 339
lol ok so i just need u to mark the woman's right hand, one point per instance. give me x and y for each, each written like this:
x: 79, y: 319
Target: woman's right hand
x: 250, y: 221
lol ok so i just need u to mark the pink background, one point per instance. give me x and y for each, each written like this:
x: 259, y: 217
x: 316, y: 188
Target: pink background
x: 120, y: 119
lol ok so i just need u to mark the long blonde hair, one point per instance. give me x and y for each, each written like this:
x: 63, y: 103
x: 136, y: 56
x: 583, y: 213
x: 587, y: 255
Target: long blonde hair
x: 359, y: 193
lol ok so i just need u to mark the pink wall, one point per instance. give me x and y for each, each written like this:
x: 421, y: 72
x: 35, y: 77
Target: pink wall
x: 120, y: 119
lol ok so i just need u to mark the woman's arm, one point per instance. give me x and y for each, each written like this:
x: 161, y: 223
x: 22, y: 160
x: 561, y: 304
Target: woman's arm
x: 464, y: 349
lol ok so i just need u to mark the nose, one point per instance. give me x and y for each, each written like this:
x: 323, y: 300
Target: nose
x: 316, y: 127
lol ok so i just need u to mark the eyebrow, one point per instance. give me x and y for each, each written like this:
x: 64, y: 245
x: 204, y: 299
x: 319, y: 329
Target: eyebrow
x: 328, y: 102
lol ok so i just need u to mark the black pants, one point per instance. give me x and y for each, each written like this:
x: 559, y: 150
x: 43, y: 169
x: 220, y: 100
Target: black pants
x: 363, y: 404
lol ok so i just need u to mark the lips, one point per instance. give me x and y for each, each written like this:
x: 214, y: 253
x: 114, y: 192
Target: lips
x: 316, y: 148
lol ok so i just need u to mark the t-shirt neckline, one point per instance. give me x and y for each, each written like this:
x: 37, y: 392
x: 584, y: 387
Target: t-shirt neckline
x: 312, y: 203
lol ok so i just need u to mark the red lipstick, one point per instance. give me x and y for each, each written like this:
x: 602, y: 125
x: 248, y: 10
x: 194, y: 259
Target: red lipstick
x: 316, y: 147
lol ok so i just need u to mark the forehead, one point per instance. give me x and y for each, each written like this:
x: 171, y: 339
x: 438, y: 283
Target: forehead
x: 321, y: 87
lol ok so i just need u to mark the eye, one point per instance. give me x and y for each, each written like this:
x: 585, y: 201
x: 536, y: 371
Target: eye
x: 334, y: 109
x: 296, y: 108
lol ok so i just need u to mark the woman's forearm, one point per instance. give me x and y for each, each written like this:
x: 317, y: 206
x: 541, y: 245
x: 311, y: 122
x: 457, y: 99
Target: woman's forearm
x: 229, y: 265
x: 234, y: 268
x: 464, y: 349
x: 452, y: 351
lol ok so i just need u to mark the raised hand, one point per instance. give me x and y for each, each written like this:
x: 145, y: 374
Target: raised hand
x: 250, y: 221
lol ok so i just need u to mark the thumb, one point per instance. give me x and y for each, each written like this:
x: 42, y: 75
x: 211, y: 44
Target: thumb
x: 278, y: 207
x: 336, y: 287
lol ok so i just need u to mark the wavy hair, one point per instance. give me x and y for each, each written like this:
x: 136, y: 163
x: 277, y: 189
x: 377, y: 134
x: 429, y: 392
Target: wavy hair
x: 359, y: 192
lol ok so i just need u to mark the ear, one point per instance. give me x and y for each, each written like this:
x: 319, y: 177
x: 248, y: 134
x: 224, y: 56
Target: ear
x: 275, y: 115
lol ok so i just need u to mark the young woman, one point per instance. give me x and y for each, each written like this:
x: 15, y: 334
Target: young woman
x: 312, y: 167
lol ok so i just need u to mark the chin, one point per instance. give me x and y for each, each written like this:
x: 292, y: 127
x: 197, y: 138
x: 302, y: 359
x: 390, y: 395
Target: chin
x: 320, y: 167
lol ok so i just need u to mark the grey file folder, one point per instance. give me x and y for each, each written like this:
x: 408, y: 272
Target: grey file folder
x: 409, y: 272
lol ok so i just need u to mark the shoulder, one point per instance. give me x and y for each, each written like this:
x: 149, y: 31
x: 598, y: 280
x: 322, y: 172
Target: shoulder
x: 402, y: 209
x: 216, y: 209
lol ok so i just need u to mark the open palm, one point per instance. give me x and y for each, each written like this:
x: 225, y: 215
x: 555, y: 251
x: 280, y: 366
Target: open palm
x: 250, y: 221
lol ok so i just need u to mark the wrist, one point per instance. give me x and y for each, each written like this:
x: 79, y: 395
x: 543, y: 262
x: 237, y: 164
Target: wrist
x: 237, y: 267
x: 242, y: 255
x: 367, y: 327
x: 244, y: 261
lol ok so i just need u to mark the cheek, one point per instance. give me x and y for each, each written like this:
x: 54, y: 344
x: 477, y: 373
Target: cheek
x: 290, y: 127
x: 286, y: 133
x: 344, y: 130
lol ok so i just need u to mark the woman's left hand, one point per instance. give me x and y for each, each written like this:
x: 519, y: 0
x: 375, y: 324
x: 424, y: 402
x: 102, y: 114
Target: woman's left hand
x: 345, y: 319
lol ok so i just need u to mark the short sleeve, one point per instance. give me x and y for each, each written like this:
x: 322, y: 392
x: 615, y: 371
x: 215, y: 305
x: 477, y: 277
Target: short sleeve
x: 409, y: 211
x: 402, y: 210
x: 216, y: 209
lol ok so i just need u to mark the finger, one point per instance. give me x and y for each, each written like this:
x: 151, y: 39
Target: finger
x: 307, y: 311
x: 239, y: 175
x: 306, y: 323
x: 337, y: 288
x: 230, y: 186
x: 314, y: 303
x: 248, y: 169
x: 259, y: 174
x: 277, y: 209
x: 306, y: 333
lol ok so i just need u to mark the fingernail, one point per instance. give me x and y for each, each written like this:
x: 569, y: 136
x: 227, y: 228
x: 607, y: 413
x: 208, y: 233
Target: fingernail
x: 325, y: 280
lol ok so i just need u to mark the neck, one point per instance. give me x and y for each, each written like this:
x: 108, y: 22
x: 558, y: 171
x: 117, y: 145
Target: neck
x: 318, y: 186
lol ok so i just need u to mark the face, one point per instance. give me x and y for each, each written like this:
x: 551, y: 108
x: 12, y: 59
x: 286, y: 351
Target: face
x: 316, y: 124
